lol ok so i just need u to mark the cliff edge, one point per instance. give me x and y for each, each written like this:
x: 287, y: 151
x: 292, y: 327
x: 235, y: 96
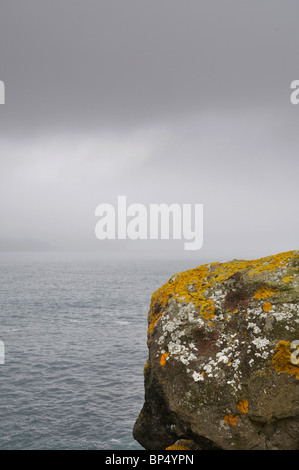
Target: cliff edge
x: 223, y: 361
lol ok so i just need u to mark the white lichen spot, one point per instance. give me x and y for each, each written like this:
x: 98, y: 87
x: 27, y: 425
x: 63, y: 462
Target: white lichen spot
x: 197, y: 377
x: 224, y: 359
x: 236, y: 364
x: 256, y: 329
x: 261, y: 343
x: 207, y: 368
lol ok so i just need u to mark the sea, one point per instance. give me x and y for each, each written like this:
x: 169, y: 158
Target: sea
x: 73, y: 327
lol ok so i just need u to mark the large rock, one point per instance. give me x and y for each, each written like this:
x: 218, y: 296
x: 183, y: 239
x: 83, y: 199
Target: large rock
x: 222, y: 369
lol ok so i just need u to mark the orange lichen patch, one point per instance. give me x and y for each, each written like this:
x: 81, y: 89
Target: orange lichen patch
x: 288, y: 279
x: 152, y: 321
x: 183, y: 444
x: 190, y: 286
x: 267, y: 307
x: 243, y: 406
x: 271, y: 263
x: 281, y: 360
x: 146, y: 366
x: 207, y: 309
x: 163, y: 359
x: 265, y: 292
x: 231, y: 419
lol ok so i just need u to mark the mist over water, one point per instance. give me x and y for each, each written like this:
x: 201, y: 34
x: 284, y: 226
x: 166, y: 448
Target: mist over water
x: 74, y: 329
x: 161, y: 102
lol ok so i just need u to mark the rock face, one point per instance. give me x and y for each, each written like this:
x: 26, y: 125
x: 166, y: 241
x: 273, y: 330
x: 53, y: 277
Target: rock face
x: 223, y: 361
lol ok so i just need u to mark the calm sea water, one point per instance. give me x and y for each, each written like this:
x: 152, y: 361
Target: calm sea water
x: 74, y: 330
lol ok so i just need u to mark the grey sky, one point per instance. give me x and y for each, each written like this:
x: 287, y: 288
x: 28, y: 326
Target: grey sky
x: 163, y: 101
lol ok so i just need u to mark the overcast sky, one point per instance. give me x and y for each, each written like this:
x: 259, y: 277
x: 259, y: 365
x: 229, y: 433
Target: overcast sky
x: 161, y: 101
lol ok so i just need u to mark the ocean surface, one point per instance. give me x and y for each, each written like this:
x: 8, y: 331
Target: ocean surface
x: 74, y: 329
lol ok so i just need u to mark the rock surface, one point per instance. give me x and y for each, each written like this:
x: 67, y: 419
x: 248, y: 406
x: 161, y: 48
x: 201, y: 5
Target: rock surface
x: 223, y: 367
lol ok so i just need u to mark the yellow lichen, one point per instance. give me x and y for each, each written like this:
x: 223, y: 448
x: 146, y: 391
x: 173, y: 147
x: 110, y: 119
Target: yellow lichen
x: 264, y: 292
x: 267, y: 307
x: 281, y: 360
x: 271, y: 263
x: 207, y: 309
x: 243, y: 406
x: 231, y: 419
x: 190, y: 286
x: 163, y: 359
x: 183, y: 444
x: 146, y: 366
x: 288, y: 279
